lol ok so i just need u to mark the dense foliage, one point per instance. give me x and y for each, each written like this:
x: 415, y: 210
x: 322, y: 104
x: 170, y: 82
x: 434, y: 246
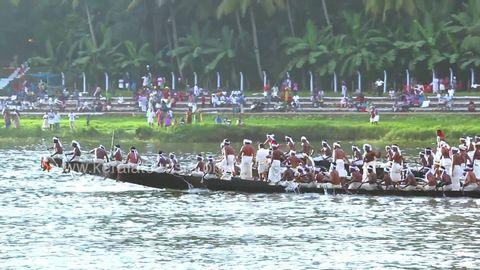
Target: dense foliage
x: 229, y: 36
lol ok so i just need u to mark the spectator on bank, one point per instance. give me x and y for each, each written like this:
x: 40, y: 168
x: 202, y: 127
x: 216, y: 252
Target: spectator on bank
x: 6, y: 117
x: 379, y: 86
x: 150, y: 117
x: 471, y: 106
x: 344, y: 89
x: 57, y: 119
x: 45, y: 124
x: 15, y: 116
x: 71, y: 120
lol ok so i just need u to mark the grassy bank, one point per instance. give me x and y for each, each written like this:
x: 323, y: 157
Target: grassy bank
x: 412, y: 129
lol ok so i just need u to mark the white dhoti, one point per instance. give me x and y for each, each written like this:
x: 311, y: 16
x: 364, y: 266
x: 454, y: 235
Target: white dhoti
x: 262, y: 166
x: 354, y: 185
x: 375, y: 118
x: 471, y: 187
x: 365, y: 170
x: 447, y: 163
x: 274, y: 174
x: 396, y: 172
x: 246, y: 168
x: 447, y: 187
x: 97, y: 160
x: 476, y: 168
x: 228, y: 164
x: 368, y: 186
x: 330, y: 186
x: 411, y: 188
x: 358, y: 163
x: 457, y: 173
x: 341, y: 168
x: 429, y: 188
x: 197, y: 173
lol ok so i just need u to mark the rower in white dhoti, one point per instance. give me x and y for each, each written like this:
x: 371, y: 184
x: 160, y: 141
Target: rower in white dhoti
x: 274, y: 174
x: 246, y: 157
x: 339, y: 158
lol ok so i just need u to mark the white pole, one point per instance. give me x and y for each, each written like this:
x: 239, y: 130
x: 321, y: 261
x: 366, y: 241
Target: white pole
x: 63, y: 80
x: 173, y: 81
x: 241, y: 81
x: 408, y: 78
x: 195, y: 78
x: 335, y: 86
x: 359, y: 81
x: 433, y: 75
x: 107, y: 85
x: 451, y: 77
x: 288, y: 75
x: 472, y: 76
x: 264, y: 78
x: 384, y: 81
x: 311, y: 82
x: 84, y: 83
x: 219, y: 82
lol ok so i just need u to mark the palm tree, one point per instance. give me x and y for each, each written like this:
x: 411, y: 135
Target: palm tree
x: 384, y: 7
x: 220, y: 49
x: 307, y: 50
x: 227, y: 7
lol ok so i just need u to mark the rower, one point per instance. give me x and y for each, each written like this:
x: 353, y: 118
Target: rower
x: 162, y: 162
x: 429, y: 155
x: 301, y: 176
x: 132, y: 161
x: 58, y: 147
x: 308, y: 161
x: 423, y: 161
x: 387, y: 180
x: 288, y: 174
x: 388, y: 154
x: 290, y: 144
x: 457, y: 171
x: 212, y: 169
x: 199, y: 169
x: 117, y: 154
x: 262, y: 162
x: 356, y: 178
x: 430, y: 179
x: 339, y: 159
x: 410, y: 181
x: 246, y: 157
x: 368, y: 160
x: 174, y: 165
x: 292, y: 160
x: 463, y: 140
x: 471, y: 181
x: 320, y: 176
x: 357, y: 156
x: 100, y: 154
x: 370, y: 183
x: 397, y: 161
x: 76, y: 152
x: 326, y: 150
x: 476, y: 160
x: 443, y: 179
x: 306, y: 146
x: 274, y: 174
x: 335, y: 178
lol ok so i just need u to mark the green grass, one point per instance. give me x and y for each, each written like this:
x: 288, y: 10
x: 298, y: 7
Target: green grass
x: 404, y: 129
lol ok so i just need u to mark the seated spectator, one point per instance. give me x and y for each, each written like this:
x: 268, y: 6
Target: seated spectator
x: 471, y: 106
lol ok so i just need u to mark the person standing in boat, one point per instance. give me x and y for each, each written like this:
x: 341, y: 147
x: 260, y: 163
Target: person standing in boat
x: 369, y: 158
x: 306, y: 146
x: 388, y: 155
x: 246, y: 157
x: 262, y: 162
x: 228, y: 160
x: 357, y: 157
x: 100, y: 154
x: 445, y: 159
x: 457, y: 170
x: 464, y: 155
x: 200, y: 167
x: 471, y: 181
x: 274, y: 174
x: 270, y: 140
x: 339, y: 159
x: 290, y: 144
x: 397, y: 165
x: 326, y: 150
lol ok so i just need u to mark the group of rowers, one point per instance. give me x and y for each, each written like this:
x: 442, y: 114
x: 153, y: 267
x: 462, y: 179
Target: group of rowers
x: 445, y: 167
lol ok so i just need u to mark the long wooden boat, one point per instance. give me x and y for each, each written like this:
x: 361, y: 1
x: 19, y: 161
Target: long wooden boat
x: 248, y: 186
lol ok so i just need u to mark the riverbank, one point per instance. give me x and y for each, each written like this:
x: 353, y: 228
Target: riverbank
x: 405, y: 128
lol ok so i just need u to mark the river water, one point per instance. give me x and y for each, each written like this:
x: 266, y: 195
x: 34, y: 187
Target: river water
x: 62, y: 221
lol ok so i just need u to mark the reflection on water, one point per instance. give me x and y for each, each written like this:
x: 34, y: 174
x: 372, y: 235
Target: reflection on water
x: 50, y: 220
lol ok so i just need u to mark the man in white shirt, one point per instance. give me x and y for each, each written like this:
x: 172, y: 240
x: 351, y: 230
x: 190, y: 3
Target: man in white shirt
x: 262, y: 162
x: 379, y: 86
x: 71, y: 120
